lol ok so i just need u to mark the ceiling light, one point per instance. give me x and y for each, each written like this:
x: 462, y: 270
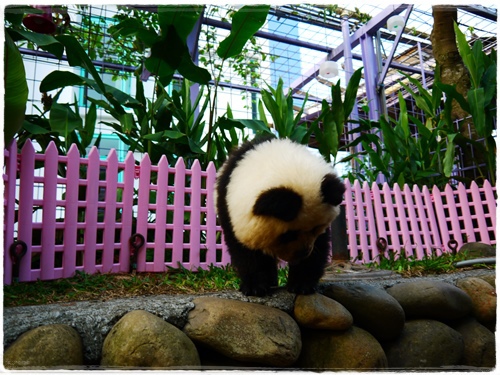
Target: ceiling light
x: 395, y: 23
x: 329, y: 69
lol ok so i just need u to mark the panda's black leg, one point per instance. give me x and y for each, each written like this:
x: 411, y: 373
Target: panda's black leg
x: 258, y: 272
x: 303, y: 276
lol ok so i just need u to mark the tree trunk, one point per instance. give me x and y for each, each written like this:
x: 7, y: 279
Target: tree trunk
x: 454, y: 72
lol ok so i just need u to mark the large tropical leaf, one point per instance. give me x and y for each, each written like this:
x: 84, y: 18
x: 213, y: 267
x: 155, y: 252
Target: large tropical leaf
x: 61, y: 78
x: 46, y: 42
x: 475, y: 98
x: 182, y: 17
x: 64, y: 120
x: 133, y: 26
x: 170, y: 53
x: 78, y: 57
x: 245, y: 23
x: 351, y: 92
x: 16, y: 90
x: 403, y: 117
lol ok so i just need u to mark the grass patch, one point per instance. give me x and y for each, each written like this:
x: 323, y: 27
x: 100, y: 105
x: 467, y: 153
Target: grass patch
x: 410, y: 266
x: 83, y: 287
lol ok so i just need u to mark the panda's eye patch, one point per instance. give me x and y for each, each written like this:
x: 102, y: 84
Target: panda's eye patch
x: 288, y: 237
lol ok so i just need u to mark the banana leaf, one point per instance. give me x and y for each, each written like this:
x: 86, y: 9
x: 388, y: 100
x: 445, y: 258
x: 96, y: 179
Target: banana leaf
x: 245, y: 23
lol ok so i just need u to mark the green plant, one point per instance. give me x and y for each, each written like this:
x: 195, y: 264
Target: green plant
x: 424, y: 157
x: 280, y: 106
x: 480, y: 100
x: 16, y: 90
x: 329, y: 126
x: 166, y: 117
x: 411, y: 266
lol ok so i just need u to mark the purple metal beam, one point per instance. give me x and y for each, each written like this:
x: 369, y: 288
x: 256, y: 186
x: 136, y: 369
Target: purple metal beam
x: 381, y: 78
x: 370, y: 28
x: 370, y: 70
x: 348, y: 67
x: 424, y: 80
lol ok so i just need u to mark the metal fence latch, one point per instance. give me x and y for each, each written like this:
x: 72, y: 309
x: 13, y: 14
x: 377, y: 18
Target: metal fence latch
x: 17, y: 250
x: 136, y: 242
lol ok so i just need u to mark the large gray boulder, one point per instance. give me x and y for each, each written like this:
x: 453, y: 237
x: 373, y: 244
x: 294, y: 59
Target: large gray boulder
x: 52, y: 346
x: 431, y: 299
x: 143, y: 340
x: 354, y: 349
x: 371, y: 307
x: 479, y: 344
x: 425, y: 343
x: 483, y: 296
x: 245, y: 331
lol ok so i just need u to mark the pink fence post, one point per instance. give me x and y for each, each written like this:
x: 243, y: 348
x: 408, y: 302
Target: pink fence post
x: 491, y: 203
x: 47, y: 255
x: 110, y: 212
x: 9, y: 177
x: 161, y: 215
x: 178, y: 235
x: 360, y: 213
x: 143, y: 209
x: 414, y: 219
x: 403, y: 220
x: 127, y: 212
x: 379, y: 213
x: 25, y: 217
x: 479, y: 215
x: 71, y: 211
x: 393, y: 241
x: 372, y: 232
x: 194, y: 216
x: 350, y: 217
x: 442, y: 219
x: 419, y: 217
x: 211, y: 241
x: 432, y: 214
x: 453, y: 214
x: 91, y: 210
x: 466, y: 213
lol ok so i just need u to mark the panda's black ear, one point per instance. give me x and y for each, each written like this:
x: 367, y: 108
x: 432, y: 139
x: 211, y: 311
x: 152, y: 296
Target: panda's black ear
x: 332, y: 189
x: 281, y: 203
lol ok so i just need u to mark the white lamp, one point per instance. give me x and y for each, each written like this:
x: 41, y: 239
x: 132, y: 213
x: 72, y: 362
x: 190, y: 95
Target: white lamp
x: 329, y: 69
x: 395, y: 23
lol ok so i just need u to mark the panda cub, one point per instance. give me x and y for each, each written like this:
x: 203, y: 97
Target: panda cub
x: 276, y: 200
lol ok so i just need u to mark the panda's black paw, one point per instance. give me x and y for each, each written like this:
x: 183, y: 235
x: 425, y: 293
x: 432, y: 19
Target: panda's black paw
x: 255, y: 289
x: 301, y: 288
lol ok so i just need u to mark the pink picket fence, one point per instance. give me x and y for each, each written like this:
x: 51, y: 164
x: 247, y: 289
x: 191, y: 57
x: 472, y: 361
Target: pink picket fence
x: 91, y: 215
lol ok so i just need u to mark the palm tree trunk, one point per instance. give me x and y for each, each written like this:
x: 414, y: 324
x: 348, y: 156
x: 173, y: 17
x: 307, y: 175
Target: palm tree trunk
x: 453, y: 72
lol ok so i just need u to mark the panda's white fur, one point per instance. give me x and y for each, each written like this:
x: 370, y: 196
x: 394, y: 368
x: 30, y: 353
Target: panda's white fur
x: 279, y: 163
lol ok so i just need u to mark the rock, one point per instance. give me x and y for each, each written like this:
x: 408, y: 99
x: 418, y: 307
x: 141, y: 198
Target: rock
x: 213, y: 360
x: 320, y: 312
x: 431, y: 299
x: 490, y: 279
x: 245, y: 331
x: 479, y: 344
x: 140, y: 339
x: 54, y: 346
x: 425, y: 343
x: 484, y: 298
x: 372, y: 308
x: 352, y: 349
x: 475, y: 250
